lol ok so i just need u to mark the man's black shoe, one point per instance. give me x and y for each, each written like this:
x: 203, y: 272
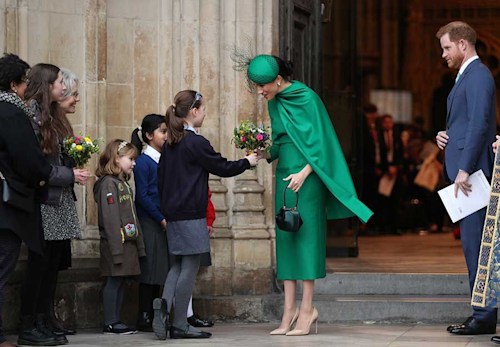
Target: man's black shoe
x: 198, y: 322
x: 176, y: 333
x: 454, y: 326
x: 475, y: 327
x: 496, y: 339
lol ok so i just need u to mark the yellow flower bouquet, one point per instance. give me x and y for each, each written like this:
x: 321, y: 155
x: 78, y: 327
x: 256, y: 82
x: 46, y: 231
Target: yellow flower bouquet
x: 80, y: 148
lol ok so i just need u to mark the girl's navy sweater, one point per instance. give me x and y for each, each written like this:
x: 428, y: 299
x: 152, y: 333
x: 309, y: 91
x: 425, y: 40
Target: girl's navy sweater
x: 183, y: 176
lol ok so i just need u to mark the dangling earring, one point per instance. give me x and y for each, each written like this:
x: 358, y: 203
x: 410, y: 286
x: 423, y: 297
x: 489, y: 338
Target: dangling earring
x: 15, y: 91
x: 278, y: 84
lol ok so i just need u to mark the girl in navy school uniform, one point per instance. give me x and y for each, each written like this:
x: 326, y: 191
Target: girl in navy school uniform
x: 150, y: 137
x: 121, y: 243
x: 186, y: 161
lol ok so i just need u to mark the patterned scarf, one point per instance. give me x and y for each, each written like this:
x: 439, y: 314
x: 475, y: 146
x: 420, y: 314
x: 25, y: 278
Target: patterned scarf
x: 486, y: 292
x: 15, y: 100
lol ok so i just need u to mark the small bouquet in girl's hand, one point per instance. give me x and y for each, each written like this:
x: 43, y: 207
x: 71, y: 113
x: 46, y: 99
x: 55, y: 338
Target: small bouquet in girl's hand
x: 250, y: 137
x: 80, y: 148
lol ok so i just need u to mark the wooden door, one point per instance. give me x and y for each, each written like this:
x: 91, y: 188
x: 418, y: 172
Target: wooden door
x: 302, y: 42
x: 300, y: 39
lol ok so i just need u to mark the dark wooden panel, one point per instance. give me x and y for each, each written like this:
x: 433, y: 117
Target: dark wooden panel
x: 300, y: 38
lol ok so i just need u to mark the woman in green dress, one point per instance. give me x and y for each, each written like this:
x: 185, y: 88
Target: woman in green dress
x: 310, y: 160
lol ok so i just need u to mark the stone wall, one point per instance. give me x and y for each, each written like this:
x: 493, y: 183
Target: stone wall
x: 132, y: 57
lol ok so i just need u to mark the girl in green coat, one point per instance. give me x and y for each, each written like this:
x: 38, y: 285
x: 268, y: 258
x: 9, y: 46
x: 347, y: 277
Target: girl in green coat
x: 310, y: 160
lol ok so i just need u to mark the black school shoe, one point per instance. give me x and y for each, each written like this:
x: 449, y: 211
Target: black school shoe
x: 160, y: 318
x: 176, y: 333
x: 199, y: 322
x: 31, y: 336
x: 118, y: 328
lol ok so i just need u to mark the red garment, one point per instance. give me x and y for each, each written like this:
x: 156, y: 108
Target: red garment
x: 210, y: 210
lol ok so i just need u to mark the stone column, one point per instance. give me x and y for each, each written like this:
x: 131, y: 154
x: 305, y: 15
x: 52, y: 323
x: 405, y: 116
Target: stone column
x: 242, y: 246
x: 10, y: 28
x: 23, y: 29
x: 93, y: 123
x: 252, y: 245
x: 252, y: 240
x: 389, y: 51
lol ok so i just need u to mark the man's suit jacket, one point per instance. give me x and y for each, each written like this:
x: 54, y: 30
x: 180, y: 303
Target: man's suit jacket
x: 397, y: 150
x: 22, y: 159
x: 471, y: 122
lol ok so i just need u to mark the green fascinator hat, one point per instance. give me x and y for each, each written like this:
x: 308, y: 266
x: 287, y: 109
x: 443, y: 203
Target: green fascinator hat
x: 263, y: 69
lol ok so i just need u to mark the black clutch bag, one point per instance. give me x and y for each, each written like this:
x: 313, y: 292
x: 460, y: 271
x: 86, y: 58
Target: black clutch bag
x: 17, y: 194
x: 288, y: 218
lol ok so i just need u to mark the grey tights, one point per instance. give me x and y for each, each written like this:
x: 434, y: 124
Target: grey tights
x: 112, y: 296
x: 179, y: 285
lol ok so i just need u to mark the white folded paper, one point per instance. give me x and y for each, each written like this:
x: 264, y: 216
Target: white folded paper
x: 386, y: 184
x: 461, y: 206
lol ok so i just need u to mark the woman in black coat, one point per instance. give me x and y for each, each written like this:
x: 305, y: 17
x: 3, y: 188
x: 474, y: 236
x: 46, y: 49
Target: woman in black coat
x: 59, y: 216
x: 24, y: 167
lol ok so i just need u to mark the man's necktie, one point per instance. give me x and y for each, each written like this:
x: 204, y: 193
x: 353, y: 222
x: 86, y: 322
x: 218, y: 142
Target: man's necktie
x: 458, y: 77
x: 388, y: 141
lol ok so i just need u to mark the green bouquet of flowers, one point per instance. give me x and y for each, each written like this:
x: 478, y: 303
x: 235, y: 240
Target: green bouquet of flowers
x: 249, y: 136
x: 80, y: 148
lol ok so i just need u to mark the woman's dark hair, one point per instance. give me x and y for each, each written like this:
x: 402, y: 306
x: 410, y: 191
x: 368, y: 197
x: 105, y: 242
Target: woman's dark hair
x: 12, y: 69
x: 286, y: 68
x: 55, y: 125
x: 184, y: 101
x: 149, y: 124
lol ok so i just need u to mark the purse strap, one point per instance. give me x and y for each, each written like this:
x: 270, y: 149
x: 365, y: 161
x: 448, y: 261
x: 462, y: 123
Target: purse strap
x: 284, y: 198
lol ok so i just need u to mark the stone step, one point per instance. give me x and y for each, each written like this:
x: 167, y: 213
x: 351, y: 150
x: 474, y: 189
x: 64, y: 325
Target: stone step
x: 390, y: 283
x: 393, y: 308
x: 344, y: 308
x: 362, y: 297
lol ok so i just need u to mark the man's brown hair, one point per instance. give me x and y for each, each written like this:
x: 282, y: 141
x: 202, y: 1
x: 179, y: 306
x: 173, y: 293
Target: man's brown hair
x: 458, y: 31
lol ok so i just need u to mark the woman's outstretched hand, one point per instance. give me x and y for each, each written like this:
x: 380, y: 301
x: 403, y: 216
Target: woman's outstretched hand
x: 297, y: 179
x: 252, y: 159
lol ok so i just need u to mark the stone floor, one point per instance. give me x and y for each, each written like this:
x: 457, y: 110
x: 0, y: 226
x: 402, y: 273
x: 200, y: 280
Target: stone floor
x: 340, y: 335
x: 407, y: 253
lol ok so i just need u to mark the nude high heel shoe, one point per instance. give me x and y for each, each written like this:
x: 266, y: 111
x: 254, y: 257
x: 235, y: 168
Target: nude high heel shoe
x: 283, y: 331
x: 299, y: 332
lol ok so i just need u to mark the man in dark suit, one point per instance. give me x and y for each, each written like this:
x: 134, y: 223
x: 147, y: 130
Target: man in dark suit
x: 470, y: 130
x: 390, y: 148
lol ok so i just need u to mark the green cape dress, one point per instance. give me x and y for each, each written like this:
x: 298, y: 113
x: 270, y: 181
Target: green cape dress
x: 302, y: 133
